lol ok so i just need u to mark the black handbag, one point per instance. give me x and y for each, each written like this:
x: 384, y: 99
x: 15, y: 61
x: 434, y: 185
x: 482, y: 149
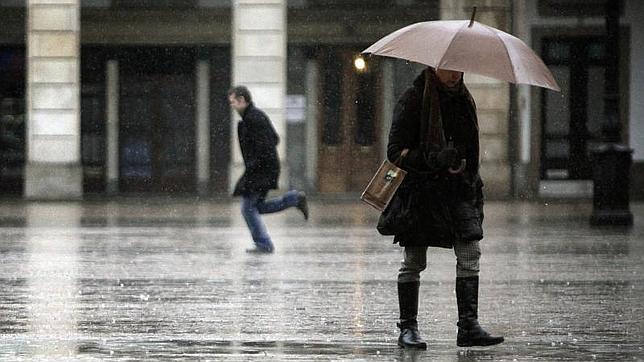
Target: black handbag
x: 398, y: 217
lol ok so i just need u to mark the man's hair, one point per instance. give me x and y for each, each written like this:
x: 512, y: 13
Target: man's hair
x: 241, y: 91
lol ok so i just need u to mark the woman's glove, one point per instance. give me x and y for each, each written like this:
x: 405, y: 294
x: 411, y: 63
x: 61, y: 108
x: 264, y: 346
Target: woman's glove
x: 448, y: 157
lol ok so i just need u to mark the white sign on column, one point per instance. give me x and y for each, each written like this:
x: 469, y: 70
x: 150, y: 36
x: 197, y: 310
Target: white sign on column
x: 259, y: 62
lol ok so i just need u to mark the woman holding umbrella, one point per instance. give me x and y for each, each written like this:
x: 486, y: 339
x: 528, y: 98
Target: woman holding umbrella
x: 444, y: 181
x: 435, y: 122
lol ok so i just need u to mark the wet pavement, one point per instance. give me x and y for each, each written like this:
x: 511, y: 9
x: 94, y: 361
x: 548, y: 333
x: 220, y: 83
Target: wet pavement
x: 169, y: 279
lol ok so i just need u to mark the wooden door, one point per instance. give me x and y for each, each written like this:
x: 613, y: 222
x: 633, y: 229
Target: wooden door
x: 350, y: 123
x: 156, y: 137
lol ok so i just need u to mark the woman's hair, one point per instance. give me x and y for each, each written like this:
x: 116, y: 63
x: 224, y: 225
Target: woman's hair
x: 241, y: 91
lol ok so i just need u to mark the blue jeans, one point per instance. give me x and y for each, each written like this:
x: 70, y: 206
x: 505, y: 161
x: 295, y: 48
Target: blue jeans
x: 253, y: 205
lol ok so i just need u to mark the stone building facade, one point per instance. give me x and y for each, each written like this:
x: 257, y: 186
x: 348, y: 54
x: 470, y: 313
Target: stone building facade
x: 117, y: 97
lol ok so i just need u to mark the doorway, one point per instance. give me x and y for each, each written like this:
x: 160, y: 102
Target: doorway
x: 12, y: 119
x: 350, y: 119
x: 156, y: 128
x: 571, y: 120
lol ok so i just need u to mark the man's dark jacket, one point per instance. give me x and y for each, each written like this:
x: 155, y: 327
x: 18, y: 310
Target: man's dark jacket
x: 444, y: 207
x: 258, y: 142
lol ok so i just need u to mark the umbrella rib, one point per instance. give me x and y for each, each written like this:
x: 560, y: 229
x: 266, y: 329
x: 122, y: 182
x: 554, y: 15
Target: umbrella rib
x: 451, y: 41
x: 507, y: 52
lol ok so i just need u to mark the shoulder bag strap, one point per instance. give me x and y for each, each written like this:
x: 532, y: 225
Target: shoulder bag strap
x: 402, y: 156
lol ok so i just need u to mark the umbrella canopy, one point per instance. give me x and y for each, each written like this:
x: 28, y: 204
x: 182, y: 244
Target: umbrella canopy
x: 467, y: 46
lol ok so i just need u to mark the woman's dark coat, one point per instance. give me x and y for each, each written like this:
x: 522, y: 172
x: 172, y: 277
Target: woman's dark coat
x: 258, y: 142
x: 444, y: 207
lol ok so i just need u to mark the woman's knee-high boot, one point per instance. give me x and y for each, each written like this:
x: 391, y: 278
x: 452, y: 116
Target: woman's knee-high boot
x: 470, y: 333
x: 408, y: 302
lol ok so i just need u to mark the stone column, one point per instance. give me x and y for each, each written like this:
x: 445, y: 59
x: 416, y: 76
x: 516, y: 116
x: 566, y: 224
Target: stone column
x: 203, y: 126
x: 53, y: 169
x: 112, y: 134
x: 388, y: 103
x: 492, y: 97
x: 259, y: 62
x: 312, y: 99
x: 525, y: 184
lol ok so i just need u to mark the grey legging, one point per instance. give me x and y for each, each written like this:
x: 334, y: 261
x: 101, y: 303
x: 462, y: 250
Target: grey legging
x: 467, y: 253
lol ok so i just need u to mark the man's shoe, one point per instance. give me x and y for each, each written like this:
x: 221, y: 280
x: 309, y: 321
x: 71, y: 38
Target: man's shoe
x: 470, y: 333
x: 410, y: 337
x: 259, y: 251
x: 261, y: 248
x: 303, y: 205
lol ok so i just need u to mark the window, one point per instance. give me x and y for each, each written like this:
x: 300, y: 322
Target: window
x: 93, y: 121
x: 155, y: 4
x: 365, y: 130
x: 96, y: 3
x: 12, y: 3
x: 574, y: 8
x: 572, y: 119
x: 361, y: 4
x: 332, y: 93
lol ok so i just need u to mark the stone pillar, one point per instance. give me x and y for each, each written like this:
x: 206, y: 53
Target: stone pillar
x: 492, y: 97
x: 312, y: 99
x: 259, y: 62
x: 388, y: 103
x: 53, y: 169
x: 112, y: 129
x: 203, y: 126
x: 525, y: 184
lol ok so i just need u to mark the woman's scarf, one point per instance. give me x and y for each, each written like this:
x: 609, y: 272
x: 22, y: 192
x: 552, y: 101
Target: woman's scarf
x: 431, y: 122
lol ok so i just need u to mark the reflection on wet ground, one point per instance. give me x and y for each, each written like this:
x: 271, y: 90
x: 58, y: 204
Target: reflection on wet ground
x: 170, y: 280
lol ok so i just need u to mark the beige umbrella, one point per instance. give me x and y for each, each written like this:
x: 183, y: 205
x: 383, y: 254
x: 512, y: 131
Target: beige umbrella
x: 467, y: 46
